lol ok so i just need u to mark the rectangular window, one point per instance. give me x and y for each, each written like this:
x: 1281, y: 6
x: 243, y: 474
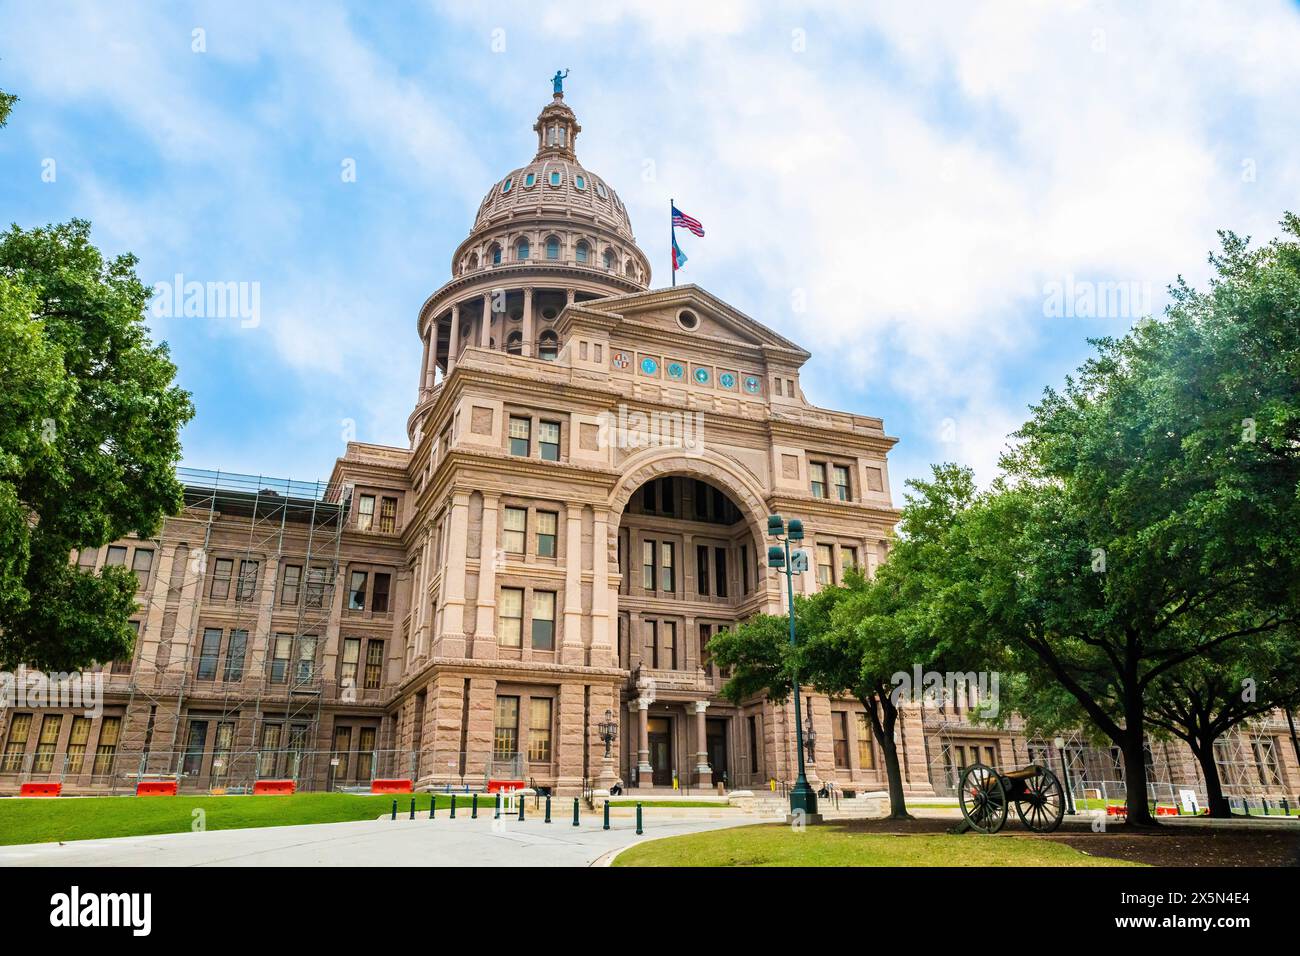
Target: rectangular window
x: 222, y: 747
x: 19, y: 728
x: 387, y: 515
x: 1266, y: 763
x: 720, y: 571
x: 292, y: 581
x: 365, y: 753
x: 116, y: 555
x: 246, y: 587
x: 86, y: 557
x: 306, y: 657
x: 520, y: 436
x: 280, y: 658
x: 825, y: 565
x: 194, y: 748
x: 110, y: 728
x: 47, y: 742
x: 543, y: 620
x: 342, y: 748
x: 817, y: 475
x: 223, y: 569
x: 357, y: 591
x: 142, y: 564
x: 236, y: 646
x: 548, y: 440
x: 366, y: 513
x: 374, y: 665
x: 270, y: 746
x: 379, y: 595
x: 505, y: 734
x: 77, y: 739
x: 667, y: 568
x: 547, y: 523
x: 840, y: 474
x: 510, y: 619
x: 849, y: 556
x: 706, y: 659
x: 351, y: 661
x: 651, y: 655
x: 702, y: 570
x: 515, y: 529
x: 648, y: 565
x: 670, y: 644
x: 209, y: 650
x: 866, y: 753
x: 315, y: 587
x: 840, y: 728
x: 539, y: 730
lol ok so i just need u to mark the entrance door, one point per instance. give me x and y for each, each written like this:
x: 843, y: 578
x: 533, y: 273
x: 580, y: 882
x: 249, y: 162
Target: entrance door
x: 716, y: 738
x: 659, y: 731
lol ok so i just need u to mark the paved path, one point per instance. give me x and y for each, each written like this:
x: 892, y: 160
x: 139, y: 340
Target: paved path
x: 403, y: 842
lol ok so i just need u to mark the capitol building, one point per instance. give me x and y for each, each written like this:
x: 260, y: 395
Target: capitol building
x: 582, y: 506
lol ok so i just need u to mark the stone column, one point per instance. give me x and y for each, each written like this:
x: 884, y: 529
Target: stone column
x: 527, y: 349
x: 453, y: 339
x: 485, y: 641
x: 644, y: 772
x: 569, y: 293
x: 453, y: 573
x: 431, y: 348
x: 602, y: 650
x: 485, y: 328
x: 424, y: 371
x: 571, y: 650
x: 703, y: 772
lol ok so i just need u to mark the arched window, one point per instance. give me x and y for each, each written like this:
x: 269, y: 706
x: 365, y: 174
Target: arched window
x: 583, y: 251
x: 515, y: 343
x: 530, y: 179
x: 548, y: 346
x: 555, y: 177
x: 552, y: 247
x: 609, y: 259
x: 473, y: 260
x: 521, y: 248
x: 495, y: 253
x: 580, y: 182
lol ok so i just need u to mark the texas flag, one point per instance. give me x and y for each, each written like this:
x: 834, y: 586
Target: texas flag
x: 679, y: 257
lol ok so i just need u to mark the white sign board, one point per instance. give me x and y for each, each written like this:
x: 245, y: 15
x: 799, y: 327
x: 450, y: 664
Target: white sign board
x: 1188, y: 799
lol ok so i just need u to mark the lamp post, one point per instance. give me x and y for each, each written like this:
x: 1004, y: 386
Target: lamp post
x: 802, y: 798
x: 810, y: 734
x: 608, y: 730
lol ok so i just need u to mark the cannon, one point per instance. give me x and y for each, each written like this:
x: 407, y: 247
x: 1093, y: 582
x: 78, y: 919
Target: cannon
x: 986, y: 795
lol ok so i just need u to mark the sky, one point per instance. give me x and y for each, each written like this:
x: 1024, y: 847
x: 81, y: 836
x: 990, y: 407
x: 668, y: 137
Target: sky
x: 942, y: 202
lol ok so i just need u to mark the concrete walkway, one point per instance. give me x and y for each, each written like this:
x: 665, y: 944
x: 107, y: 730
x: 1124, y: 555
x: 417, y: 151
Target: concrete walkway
x: 403, y: 842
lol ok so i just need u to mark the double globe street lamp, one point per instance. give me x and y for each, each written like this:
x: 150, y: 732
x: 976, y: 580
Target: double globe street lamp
x: 803, y: 800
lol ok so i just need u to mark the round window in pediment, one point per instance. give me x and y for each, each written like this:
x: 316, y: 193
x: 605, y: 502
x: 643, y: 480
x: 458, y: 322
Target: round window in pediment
x: 688, y: 320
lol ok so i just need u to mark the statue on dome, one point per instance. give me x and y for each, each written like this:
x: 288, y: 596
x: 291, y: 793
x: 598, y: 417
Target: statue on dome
x: 557, y: 81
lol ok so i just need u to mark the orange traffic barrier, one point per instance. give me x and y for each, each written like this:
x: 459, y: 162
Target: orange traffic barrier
x: 155, y: 788
x: 391, y: 786
x: 40, y: 790
x: 1114, y: 811
x: 1166, y: 811
x: 275, y: 788
x: 505, y: 786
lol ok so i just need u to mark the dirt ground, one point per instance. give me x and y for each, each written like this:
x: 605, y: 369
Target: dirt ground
x: 1170, y: 845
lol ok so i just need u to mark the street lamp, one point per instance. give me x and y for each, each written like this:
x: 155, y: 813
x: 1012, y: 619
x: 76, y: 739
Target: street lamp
x: 810, y: 734
x: 608, y: 730
x: 802, y: 798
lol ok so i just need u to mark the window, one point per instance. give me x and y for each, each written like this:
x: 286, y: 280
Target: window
x: 116, y: 555
x: 270, y: 745
x: 315, y: 587
x: 387, y: 515
x: 505, y: 186
x: 374, y: 665
x: 19, y: 728
x: 582, y: 252
x: 510, y: 623
x: 514, y: 535
x: 817, y: 474
x: 365, y: 753
x: 720, y: 571
x: 222, y: 571
x: 539, y: 730
x: 849, y: 556
x: 495, y: 253
x: 236, y: 646
x: 651, y: 655
x: 609, y: 259
x: 379, y: 595
x: 47, y: 742
x: 706, y: 659
x: 825, y: 565
x: 86, y: 557
x: 280, y: 652
x: 648, y: 565
x: 520, y: 436
x: 246, y: 586
x: 667, y: 569
x: 866, y: 754
x: 77, y: 739
x: 351, y: 660
x: 548, y: 350
x: 366, y: 513
x: 744, y: 569
x: 753, y: 745
x: 306, y: 657
x: 141, y: 564
x: 194, y: 747
x: 521, y: 249
x: 505, y: 734
x: 357, y: 591
x: 547, y: 521
x: 840, y: 729
x: 543, y: 620
x: 530, y: 179
x: 555, y: 177
x: 670, y: 644
x: 580, y: 182
x: 342, y: 746
x: 548, y: 440
x: 702, y: 570
x: 222, y: 746
x: 292, y: 582
x: 110, y: 729
x: 552, y: 247
x: 1266, y: 763
x: 209, y: 650
x: 515, y: 343
x: 841, y: 476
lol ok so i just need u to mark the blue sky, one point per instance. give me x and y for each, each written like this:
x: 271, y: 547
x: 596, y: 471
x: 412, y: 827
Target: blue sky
x: 899, y: 190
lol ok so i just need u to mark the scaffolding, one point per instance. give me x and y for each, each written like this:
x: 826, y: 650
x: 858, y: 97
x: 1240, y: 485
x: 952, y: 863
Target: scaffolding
x: 254, y: 523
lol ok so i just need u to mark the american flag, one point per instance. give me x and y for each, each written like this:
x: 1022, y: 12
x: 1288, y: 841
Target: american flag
x: 686, y: 222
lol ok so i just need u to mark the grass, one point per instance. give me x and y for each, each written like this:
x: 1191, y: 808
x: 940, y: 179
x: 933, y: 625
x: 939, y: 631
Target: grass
x: 90, y: 818
x: 829, y: 845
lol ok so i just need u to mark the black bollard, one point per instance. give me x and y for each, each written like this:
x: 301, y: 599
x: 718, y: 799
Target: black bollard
x: 473, y: 807
x: 639, y: 829
x: 433, y: 803
x: 497, y: 814
x: 606, y: 827
x: 453, y: 806
x: 521, y: 807
x: 412, y: 808
x: 575, y: 811
x: 548, y: 809
x: 394, y: 810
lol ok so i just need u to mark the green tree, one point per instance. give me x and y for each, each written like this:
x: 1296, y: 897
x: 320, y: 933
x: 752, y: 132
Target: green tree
x: 7, y: 101
x: 89, y: 440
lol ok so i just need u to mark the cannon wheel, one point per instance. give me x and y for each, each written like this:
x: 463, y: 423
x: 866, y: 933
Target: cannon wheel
x: 1042, y: 804
x: 983, y: 798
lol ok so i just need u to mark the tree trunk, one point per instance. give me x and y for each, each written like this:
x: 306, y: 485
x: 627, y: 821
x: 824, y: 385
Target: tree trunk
x: 1218, y: 803
x: 883, y: 731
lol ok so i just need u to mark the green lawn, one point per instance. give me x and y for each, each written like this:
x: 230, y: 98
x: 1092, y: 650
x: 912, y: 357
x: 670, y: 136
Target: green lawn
x: 829, y: 845
x: 45, y: 821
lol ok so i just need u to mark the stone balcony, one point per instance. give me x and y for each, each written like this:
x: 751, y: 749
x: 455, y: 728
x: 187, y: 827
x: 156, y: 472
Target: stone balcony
x: 691, y: 684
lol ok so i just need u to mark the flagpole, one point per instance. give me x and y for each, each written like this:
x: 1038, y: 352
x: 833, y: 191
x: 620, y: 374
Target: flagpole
x: 672, y: 242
